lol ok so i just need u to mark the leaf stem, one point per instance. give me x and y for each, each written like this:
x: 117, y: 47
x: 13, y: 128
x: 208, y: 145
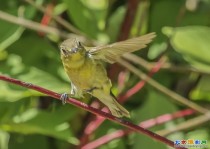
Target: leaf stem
x: 197, y: 121
x: 58, y: 19
x: 32, y: 25
x: 163, y: 89
x: 168, y: 66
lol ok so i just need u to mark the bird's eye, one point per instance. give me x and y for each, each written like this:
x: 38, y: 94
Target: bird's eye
x: 79, y: 45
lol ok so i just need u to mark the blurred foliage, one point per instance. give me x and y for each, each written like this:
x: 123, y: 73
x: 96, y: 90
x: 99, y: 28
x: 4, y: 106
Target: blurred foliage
x: 183, y: 35
x: 194, y: 49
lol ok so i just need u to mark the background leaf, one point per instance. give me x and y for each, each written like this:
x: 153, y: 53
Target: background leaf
x: 91, y: 17
x: 192, y: 43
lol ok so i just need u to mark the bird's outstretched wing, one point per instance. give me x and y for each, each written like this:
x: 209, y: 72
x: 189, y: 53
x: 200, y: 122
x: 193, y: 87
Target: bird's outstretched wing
x: 110, y: 53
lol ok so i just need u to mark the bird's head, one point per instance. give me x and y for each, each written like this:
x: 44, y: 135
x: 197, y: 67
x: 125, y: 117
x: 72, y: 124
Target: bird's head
x: 72, y: 49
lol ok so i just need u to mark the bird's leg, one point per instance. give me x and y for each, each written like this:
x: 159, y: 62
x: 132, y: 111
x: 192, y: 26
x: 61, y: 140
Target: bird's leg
x: 73, y: 89
x: 65, y: 96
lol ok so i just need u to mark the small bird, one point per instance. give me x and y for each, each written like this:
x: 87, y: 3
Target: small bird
x: 87, y: 74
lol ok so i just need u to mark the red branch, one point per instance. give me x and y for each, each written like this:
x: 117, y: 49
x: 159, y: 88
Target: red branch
x: 128, y: 20
x: 47, y: 18
x: 95, y: 111
x: 146, y: 124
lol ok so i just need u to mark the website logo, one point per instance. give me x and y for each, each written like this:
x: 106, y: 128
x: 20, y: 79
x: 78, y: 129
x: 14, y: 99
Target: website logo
x: 191, y: 143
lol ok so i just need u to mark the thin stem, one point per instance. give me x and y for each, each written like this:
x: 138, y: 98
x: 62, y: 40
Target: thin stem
x: 32, y: 25
x: 147, y: 65
x: 163, y: 89
x: 141, y: 83
x: 95, y: 111
x: 187, y: 124
x: 137, y: 60
x: 60, y: 20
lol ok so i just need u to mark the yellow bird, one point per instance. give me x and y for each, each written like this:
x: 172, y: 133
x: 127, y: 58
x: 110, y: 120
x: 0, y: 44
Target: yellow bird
x: 87, y: 74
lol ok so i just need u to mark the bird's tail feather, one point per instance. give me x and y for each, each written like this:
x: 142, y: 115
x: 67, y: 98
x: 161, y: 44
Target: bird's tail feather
x: 118, y: 110
x: 115, y: 108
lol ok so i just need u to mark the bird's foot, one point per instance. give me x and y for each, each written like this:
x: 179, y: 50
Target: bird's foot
x: 64, y: 97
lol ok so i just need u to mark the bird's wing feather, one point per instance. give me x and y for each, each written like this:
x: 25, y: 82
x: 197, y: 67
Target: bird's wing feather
x: 110, y: 53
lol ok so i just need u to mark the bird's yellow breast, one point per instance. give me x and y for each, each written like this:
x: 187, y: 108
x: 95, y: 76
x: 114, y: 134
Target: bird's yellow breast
x: 88, y: 75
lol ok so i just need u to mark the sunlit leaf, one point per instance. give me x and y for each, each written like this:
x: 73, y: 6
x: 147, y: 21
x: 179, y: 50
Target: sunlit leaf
x: 4, y: 139
x: 34, y: 121
x: 192, y: 43
x: 155, y: 105
x: 35, y: 76
x: 202, y: 90
x: 91, y: 17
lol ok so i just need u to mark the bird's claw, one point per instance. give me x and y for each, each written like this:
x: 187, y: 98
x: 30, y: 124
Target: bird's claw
x: 64, y: 97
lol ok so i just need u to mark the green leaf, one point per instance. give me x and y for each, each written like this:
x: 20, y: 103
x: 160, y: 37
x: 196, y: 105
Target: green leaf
x: 35, y: 51
x: 45, y: 80
x: 155, y: 105
x: 4, y: 139
x: 15, y: 68
x: 199, y: 134
x: 11, y: 93
x: 192, y: 42
x: 33, y: 121
x: 202, y: 90
x: 9, y: 37
x: 19, y: 141
x: 158, y: 17
x: 88, y: 15
x: 11, y: 32
x: 114, y: 22
x: 175, y: 15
